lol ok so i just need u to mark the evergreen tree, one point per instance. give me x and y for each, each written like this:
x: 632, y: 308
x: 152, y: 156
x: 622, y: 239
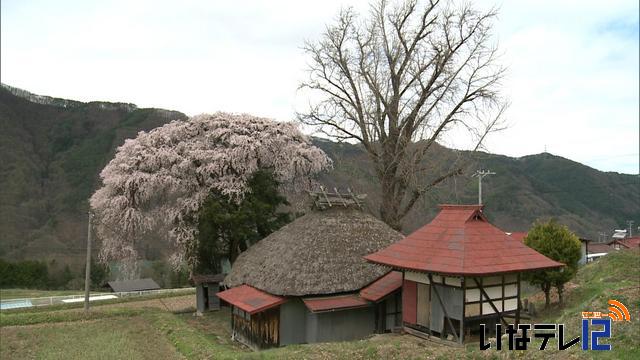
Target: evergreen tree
x: 99, y: 274
x: 226, y: 228
x: 556, y: 242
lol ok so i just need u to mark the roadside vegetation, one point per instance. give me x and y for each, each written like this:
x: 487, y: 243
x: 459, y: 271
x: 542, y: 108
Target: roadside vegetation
x: 164, y: 327
x: 40, y: 275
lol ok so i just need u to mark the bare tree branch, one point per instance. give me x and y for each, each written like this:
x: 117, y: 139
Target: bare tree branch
x: 398, y: 80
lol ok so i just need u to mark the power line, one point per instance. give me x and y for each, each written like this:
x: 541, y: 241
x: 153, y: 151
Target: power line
x: 480, y: 174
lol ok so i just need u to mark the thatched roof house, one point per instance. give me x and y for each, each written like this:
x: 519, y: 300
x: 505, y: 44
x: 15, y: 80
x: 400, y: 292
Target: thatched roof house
x: 303, y: 283
x: 319, y: 253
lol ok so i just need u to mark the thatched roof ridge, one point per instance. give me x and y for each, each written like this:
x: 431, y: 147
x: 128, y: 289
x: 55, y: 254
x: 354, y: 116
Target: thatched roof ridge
x: 318, y: 253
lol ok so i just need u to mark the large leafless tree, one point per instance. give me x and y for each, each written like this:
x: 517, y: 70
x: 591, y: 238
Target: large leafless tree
x: 397, y: 80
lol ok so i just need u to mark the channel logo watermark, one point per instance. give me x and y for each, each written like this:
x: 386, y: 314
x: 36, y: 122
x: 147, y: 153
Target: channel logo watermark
x: 596, y: 326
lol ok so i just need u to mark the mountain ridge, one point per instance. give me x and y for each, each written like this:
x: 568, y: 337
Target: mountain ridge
x: 53, y: 150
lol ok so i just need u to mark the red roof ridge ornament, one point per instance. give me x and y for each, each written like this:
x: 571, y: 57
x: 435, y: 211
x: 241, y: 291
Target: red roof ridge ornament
x: 460, y: 207
x: 466, y: 212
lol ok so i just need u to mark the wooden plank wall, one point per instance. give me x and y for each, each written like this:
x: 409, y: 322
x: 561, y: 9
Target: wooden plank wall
x: 261, y: 329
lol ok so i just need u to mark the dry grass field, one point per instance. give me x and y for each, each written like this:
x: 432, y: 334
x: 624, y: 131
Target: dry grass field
x: 165, y: 328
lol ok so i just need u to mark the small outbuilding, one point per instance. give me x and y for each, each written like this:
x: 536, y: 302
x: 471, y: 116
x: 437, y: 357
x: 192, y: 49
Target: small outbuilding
x: 133, y: 285
x: 207, y: 286
x: 309, y: 282
x: 584, y: 250
x: 598, y: 250
x: 458, y: 271
x: 626, y: 243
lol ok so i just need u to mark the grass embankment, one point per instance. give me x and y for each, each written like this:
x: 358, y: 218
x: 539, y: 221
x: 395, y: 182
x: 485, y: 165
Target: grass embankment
x: 616, y: 276
x: 148, y: 329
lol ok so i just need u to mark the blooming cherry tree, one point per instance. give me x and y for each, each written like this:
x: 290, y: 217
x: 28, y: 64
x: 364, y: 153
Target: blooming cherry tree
x: 161, y: 178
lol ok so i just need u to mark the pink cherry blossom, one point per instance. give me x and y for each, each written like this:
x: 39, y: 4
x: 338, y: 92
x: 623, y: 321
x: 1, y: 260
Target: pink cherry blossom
x: 160, y: 179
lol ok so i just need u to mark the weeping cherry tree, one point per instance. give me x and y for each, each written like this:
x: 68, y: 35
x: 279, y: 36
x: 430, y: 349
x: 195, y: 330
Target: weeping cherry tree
x: 160, y: 179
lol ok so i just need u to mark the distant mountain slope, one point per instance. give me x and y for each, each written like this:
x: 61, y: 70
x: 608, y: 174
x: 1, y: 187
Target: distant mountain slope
x: 53, y: 149
x: 523, y: 190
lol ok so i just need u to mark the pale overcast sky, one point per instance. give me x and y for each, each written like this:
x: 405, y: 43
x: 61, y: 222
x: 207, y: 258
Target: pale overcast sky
x: 573, y: 65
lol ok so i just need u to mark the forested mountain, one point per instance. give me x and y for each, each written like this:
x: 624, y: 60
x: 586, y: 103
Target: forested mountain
x: 522, y: 190
x: 53, y: 149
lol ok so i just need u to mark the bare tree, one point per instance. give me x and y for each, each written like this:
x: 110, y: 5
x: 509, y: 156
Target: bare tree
x: 397, y: 81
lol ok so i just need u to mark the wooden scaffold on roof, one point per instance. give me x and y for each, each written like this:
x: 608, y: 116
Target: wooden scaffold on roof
x: 323, y: 199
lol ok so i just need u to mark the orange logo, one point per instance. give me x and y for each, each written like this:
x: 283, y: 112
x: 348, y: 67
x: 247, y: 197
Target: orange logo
x: 617, y: 312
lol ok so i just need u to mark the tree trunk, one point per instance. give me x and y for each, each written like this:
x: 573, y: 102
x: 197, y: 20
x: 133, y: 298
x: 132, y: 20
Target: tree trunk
x: 547, y: 295
x: 390, y: 205
x: 233, y: 249
x: 560, y: 289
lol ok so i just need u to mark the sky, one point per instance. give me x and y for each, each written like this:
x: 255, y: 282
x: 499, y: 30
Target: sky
x: 572, y: 80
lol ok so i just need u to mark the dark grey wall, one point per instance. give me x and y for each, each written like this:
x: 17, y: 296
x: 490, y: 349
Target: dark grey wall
x: 293, y: 316
x: 200, y: 303
x: 452, y: 299
x: 340, y: 325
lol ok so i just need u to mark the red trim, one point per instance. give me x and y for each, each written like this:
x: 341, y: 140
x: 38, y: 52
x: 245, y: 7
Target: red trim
x: 382, y: 287
x: 250, y: 299
x: 340, y: 302
x: 409, y: 302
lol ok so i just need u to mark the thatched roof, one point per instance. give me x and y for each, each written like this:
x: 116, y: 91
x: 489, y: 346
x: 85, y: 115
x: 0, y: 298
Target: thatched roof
x: 319, y: 253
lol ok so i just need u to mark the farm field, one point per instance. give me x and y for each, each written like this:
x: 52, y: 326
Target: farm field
x: 166, y: 328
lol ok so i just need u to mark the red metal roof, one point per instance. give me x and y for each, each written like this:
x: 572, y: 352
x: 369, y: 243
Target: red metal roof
x: 250, y: 299
x: 460, y: 241
x: 382, y: 287
x: 335, y: 302
x: 630, y: 243
x: 598, y: 248
x: 633, y: 242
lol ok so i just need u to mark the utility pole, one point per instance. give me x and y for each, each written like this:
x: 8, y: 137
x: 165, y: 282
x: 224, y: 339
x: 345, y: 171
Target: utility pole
x: 630, y: 222
x: 602, y: 237
x: 87, y: 272
x: 480, y: 174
